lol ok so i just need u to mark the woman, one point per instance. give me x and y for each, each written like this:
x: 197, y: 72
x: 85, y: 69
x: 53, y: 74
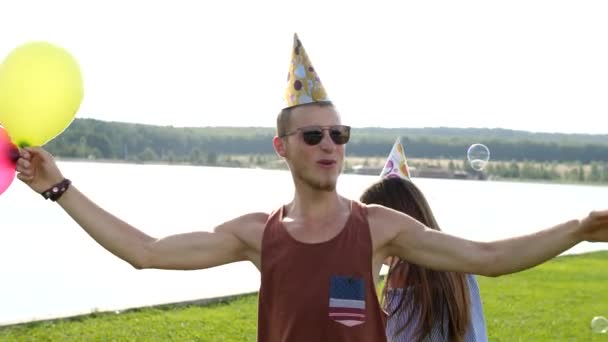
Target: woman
x: 423, y: 304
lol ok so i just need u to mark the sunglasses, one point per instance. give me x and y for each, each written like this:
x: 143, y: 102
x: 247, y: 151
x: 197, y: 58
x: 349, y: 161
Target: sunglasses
x: 312, y: 135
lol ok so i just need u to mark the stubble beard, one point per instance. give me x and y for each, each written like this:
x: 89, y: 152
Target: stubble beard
x: 320, y: 185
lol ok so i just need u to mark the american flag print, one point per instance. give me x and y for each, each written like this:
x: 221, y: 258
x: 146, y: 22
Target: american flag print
x: 347, y: 300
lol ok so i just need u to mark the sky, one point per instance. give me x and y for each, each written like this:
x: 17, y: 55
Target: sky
x: 526, y: 65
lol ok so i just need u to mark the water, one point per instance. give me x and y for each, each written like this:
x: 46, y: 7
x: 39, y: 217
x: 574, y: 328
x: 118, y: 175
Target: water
x: 51, y: 268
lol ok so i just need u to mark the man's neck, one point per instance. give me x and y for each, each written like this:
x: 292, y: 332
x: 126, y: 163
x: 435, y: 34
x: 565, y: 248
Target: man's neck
x: 316, y: 205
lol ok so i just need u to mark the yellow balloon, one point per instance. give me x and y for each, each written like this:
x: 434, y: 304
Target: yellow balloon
x: 41, y: 89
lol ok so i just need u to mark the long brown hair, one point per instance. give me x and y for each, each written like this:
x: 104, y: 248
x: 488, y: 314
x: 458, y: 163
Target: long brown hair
x: 435, y: 294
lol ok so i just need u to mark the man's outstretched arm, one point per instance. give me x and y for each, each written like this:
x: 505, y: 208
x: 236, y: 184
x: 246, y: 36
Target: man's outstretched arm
x: 412, y: 241
x: 195, y: 250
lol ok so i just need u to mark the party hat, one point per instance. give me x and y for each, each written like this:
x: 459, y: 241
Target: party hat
x: 303, y: 84
x: 396, y: 163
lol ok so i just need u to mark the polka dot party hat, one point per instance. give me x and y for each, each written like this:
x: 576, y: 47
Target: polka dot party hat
x: 303, y: 84
x: 396, y: 163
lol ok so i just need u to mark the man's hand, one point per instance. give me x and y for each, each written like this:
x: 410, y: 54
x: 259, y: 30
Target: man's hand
x: 594, y: 227
x: 37, y: 168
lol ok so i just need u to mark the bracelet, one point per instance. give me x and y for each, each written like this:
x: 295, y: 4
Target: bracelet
x: 57, y: 190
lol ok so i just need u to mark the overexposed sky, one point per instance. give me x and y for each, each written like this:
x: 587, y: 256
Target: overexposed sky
x: 529, y: 65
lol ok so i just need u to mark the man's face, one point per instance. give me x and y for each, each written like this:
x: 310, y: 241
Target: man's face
x: 315, y: 163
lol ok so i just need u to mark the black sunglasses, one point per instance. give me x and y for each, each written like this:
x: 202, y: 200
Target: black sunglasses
x: 312, y: 135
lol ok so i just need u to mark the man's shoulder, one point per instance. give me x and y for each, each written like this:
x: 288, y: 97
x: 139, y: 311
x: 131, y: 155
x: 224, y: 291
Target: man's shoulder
x: 244, y: 222
x: 254, y: 219
x: 383, y: 223
x: 249, y: 228
x: 382, y: 219
x: 375, y: 211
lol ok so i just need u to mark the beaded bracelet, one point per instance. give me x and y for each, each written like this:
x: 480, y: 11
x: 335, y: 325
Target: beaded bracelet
x: 57, y: 190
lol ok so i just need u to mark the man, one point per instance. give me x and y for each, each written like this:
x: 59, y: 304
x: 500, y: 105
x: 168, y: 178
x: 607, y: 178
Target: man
x: 318, y: 255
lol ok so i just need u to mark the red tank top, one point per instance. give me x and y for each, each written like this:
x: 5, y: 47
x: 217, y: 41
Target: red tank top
x: 319, y: 291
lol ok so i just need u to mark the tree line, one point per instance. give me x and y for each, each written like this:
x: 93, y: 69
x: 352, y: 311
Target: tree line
x: 91, y: 138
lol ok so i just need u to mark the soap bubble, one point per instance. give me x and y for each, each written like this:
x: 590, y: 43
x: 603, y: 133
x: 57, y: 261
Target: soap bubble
x: 478, y: 156
x: 599, y: 324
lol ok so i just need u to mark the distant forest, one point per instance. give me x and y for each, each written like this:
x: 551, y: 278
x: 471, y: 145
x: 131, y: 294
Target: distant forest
x: 90, y: 138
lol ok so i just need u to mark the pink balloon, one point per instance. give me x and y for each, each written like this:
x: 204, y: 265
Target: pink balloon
x: 8, y: 165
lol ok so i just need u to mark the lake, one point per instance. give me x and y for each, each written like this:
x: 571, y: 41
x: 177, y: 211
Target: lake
x: 51, y: 268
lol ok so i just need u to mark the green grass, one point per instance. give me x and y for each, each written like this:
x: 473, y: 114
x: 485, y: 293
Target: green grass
x: 552, y: 302
x: 229, y: 321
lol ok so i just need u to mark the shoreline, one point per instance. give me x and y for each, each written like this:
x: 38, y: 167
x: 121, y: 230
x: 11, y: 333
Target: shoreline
x: 162, y: 306
x: 375, y: 170
x: 195, y: 302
